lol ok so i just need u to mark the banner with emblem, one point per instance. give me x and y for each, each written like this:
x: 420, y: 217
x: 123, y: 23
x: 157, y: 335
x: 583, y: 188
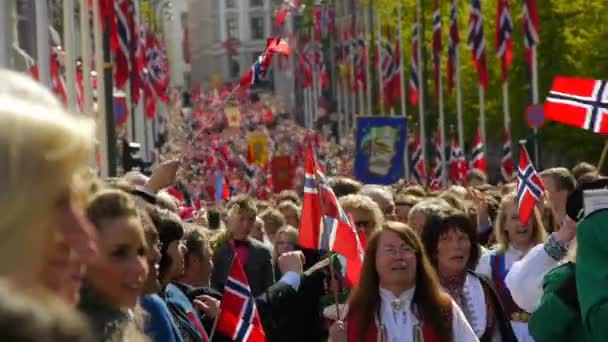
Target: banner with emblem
x: 233, y: 115
x: 380, y: 149
x: 258, y: 145
x: 282, y: 173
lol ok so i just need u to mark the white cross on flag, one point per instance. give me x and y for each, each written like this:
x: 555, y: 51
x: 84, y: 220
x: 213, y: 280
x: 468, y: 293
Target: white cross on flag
x: 579, y: 102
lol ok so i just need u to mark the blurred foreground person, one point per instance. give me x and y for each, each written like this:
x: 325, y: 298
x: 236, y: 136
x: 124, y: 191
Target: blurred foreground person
x: 399, y: 297
x: 116, y: 278
x: 42, y: 150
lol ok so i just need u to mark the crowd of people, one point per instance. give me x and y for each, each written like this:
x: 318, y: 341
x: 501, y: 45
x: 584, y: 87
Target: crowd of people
x: 90, y: 259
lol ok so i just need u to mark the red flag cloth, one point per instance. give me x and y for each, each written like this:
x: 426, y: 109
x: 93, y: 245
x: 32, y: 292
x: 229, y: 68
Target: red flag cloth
x: 458, y: 163
x: 79, y: 89
x: 238, y: 317
x: 414, y: 93
x: 418, y: 163
x: 282, y: 173
x: 530, y: 27
x: 476, y: 42
x: 324, y: 224
x: 281, y: 15
x: 124, y: 19
x: 504, y: 40
x: 506, y: 161
x: 530, y: 187
x: 57, y: 82
x: 478, y: 154
x: 578, y: 102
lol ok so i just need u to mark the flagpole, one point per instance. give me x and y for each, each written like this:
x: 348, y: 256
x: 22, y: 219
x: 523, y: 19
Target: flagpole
x: 406, y: 161
x: 379, y: 61
x: 43, y: 49
x: 346, y: 104
x: 368, y: 72
x: 85, y: 42
x: 421, y: 86
x: 69, y: 49
x: 458, y: 96
x: 442, y: 130
x: 482, y: 117
x: 535, y: 101
x: 505, y: 105
x: 351, y: 76
x: 102, y: 135
x: 340, y: 107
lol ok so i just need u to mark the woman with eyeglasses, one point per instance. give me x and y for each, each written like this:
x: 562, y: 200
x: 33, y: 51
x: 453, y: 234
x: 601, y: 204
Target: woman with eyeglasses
x: 399, y: 297
x: 365, y: 213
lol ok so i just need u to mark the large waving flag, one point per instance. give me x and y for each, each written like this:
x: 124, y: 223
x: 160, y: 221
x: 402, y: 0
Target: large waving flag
x: 453, y: 41
x: 504, y: 40
x: 258, y: 70
x: 238, y: 317
x: 530, y: 25
x: 579, y: 102
x: 477, y: 43
x: 529, y: 187
x: 324, y: 224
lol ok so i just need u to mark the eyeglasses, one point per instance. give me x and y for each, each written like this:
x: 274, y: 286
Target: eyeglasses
x: 403, y: 250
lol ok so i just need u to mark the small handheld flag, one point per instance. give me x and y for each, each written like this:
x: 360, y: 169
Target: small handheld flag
x: 530, y: 187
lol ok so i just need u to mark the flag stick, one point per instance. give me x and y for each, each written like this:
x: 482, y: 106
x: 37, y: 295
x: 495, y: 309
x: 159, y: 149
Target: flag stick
x: 459, y: 97
x: 602, y: 157
x: 69, y: 49
x: 334, y: 290
x: 482, y: 117
x: 535, y: 101
x: 214, y: 324
x: 379, y: 62
x: 421, y: 82
x: 401, y: 74
x: 505, y: 104
x: 442, y: 130
x: 351, y: 77
x: 340, y: 108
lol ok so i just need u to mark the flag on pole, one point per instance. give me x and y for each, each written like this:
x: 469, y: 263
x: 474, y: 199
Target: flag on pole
x: 414, y: 93
x: 476, y: 42
x: 453, y: 42
x: 122, y: 66
x: 579, y: 102
x: 530, y: 187
x: 506, y: 162
x: 504, y: 40
x: 418, y: 170
x: 437, y: 47
x: 458, y: 163
x: 258, y: 70
x: 324, y: 224
x: 477, y: 154
x: 238, y: 316
x: 436, y: 182
x: 530, y: 27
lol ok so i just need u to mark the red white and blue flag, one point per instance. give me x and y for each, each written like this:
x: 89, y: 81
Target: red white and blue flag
x: 458, y: 163
x: 506, y: 161
x: 530, y: 187
x: 258, y: 70
x: 477, y: 154
x: 389, y: 64
x: 579, y: 102
x: 453, y: 41
x: 437, y: 47
x: 504, y: 40
x: 414, y: 93
x: 436, y: 182
x: 323, y: 21
x: 287, y: 8
x: 238, y: 317
x: 157, y: 67
x: 530, y: 27
x: 324, y: 224
x: 476, y: 42
x: 124, y: 18
x: 418, y: 169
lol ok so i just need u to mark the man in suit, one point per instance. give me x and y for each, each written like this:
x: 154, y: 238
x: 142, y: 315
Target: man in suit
x: 255, y: 257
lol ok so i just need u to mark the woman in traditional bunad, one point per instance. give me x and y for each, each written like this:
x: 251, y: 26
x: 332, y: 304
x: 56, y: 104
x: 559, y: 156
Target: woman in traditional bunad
x: 399, y: 298
x: 514, y: 241
x: 451, y: 244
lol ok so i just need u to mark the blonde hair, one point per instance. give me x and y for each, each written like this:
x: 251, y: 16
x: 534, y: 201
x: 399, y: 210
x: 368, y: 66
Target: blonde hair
x: 364, y: 203
x: 502, y: 239
x: 42, y: 148
x: 292, y: 235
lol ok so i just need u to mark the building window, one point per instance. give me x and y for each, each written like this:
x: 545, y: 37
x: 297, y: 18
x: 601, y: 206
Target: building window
x: 256, y: 3
x: 230, y: 3
x: 257, y: 28
x: 232, y: 28
x: 234, y: 66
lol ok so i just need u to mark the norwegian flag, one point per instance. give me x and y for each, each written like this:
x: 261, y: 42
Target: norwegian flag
x: 418, y: 169
x: 124, y: 16
x: 389, y: 62
x: 477, y: 154
x: 579, y: 102
x: 436, y: 182
x: 324, y: 224
x: 437, y: 47
x: 139, y: 62
x: 453, y: 41
x: 476, y: 42
x: 307, y: 65
x: 258, y: 70
x: 458, y: 163
x: 504, y: 40
x: 414, y: 93
x: 238, y: 317
x: 530, y: 27
x: 287, y: 8
x: 530, y: 187
x: 506, y: 161
x: 323, y: 21
x: 157, y: 67
x: 359, y: 60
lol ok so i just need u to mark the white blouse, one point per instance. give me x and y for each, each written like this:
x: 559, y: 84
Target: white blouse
x: 399, y: 322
